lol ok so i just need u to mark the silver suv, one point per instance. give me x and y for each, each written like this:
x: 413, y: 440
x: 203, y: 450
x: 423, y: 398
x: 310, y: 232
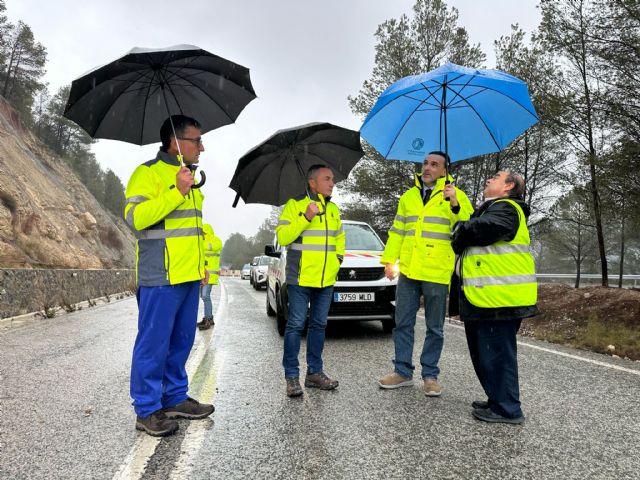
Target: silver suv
x: 259, y: 272
x: 362, y: 292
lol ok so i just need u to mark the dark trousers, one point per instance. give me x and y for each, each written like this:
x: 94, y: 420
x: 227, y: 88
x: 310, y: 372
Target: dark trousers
x: 494, y: 354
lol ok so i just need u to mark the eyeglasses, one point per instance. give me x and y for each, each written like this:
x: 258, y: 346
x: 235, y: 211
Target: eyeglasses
x: 197, y: 141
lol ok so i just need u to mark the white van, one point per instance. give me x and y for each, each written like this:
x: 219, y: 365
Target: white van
x: 362, y: 291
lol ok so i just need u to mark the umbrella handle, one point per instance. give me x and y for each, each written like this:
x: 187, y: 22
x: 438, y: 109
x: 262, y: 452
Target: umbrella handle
x: 203, y: 176
x: 447, y: 199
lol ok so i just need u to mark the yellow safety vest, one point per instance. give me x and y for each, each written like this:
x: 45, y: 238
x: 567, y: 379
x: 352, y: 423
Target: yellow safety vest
x: 212, y: 246
x: 312, y: 247
x: 502, y: 274
x: 421, y: 233
x: 167, y: 225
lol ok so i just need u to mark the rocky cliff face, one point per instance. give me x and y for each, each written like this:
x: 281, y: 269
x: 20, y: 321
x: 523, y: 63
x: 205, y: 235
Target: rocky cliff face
x: 48, y: 219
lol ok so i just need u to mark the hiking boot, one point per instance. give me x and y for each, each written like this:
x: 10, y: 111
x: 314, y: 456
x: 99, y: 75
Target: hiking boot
x: 320, y: 380
x: 206, y: 323
x: 431, y: 387
x: 157, y: 424
x: 293, y: 387
x: 190, y: 409
x: 394, y: 380
x: 488, y: 415
x: 479, y: 404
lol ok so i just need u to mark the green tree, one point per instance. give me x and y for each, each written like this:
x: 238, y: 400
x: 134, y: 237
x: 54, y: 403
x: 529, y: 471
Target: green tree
x: 572, y: 228
x: 404, y: 46
x: 113, y: 196
x: 23, y: 66
x: 566, y: 29
x: 237, y: 251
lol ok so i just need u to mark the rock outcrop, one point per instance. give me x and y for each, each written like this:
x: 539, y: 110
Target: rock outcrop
x: 48, y: 218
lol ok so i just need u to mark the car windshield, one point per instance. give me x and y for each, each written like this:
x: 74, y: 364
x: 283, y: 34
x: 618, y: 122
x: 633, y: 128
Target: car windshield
x: 246, y: 266
x: 361, y: 237
x: 264, y: 260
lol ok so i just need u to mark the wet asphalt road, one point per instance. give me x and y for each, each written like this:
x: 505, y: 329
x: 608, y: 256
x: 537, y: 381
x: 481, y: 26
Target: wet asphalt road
x: 65, y: 410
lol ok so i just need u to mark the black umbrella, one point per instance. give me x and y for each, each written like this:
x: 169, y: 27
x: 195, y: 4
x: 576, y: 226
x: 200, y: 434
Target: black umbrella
x: 275, y: 170
x: 128, y: 99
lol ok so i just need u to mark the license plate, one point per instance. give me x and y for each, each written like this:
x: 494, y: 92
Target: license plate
x: 354, y: 297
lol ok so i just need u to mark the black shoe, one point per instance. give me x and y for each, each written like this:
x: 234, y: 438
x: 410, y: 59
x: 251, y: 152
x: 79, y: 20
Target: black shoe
x: 293, y: 387
x: 157, y: 424
x: 190, y: 409
x: 205, y: 324
x: 320, y: 380
x: 487, y: 415
x: 479, y: 404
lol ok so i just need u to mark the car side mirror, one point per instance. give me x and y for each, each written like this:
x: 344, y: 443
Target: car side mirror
x: 270, y: 251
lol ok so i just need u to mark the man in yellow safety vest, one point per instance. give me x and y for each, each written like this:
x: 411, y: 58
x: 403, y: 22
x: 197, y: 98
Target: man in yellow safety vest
x: 165, y: 214
x: 311, y: 228
x: 497, y: 290
x: 211, y: 246
x: 420, y: 240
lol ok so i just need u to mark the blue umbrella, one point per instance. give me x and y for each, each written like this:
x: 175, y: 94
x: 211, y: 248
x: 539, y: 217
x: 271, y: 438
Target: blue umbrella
x: 462, y: 111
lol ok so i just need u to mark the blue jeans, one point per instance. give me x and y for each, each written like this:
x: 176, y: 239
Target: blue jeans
x: 205, y: 295
x: 299, y: 300
x: 166, y: 328
x: 408, y: 294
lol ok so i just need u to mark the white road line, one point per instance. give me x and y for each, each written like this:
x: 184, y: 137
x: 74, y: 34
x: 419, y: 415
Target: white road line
x: 144, y: 447
x: 569, y: 355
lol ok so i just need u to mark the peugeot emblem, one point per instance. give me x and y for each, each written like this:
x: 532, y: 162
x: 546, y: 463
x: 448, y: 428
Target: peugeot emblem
x: 352, y: 274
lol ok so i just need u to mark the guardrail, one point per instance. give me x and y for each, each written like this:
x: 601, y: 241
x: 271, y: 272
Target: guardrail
x: 588, y: 279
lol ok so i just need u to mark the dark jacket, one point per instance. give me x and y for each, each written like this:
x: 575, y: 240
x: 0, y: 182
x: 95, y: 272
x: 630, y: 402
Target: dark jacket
x: 490, y: 223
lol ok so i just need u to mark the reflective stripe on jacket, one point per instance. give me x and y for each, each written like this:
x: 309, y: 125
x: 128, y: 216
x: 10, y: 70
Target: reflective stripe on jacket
x: 421, y: 233
x: 168, y: 226
x: 212, y: 246
x: 502, y: 274
x: 312, y: 247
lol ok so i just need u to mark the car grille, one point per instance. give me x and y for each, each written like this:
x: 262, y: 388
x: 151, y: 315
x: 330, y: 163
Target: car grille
x: 360, y: 274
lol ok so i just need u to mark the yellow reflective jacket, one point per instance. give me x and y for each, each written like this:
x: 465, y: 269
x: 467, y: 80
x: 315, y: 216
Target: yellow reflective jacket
x: 421, y: 233
x: 314, y: 249
x: 167, y: 225
x: 211, y: 246
x: 502, y: 274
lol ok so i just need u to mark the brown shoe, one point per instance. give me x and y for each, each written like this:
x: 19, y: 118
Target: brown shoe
x: 206, y: 323
x: 157, y: 424
x: 394, y: 380
x: 190, y: 409
x: 431, y: 387
x: 293, y: 387
x: 320, y: 380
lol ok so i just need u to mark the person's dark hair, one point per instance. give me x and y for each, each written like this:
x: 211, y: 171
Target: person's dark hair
x: 180, y: 124
x: 441, y: 154
x: 518, y: 185
x: 311, y: 173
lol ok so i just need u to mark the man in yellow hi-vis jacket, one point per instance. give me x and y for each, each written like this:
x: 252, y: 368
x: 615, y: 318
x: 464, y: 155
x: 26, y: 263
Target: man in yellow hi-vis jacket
x: 310, y: 227
x: 420, y: 239
x: 211, y: 246
x: 165, y: 214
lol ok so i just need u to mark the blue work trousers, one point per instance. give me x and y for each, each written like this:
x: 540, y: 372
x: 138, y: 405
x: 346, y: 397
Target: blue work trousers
x: 167, y: 318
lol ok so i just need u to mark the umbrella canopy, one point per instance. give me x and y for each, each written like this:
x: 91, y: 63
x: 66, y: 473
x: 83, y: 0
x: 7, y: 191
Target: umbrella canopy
x: 128, y: 99
x: 276, y: 170
x: 462, y: 111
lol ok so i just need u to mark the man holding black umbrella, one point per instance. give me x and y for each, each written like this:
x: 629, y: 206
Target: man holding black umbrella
x: 165, y: 214
x: 310, y: 227
x: 420, y: 240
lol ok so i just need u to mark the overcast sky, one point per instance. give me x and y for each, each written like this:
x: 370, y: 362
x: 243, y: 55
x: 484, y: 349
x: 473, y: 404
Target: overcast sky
x: 305, y: 58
